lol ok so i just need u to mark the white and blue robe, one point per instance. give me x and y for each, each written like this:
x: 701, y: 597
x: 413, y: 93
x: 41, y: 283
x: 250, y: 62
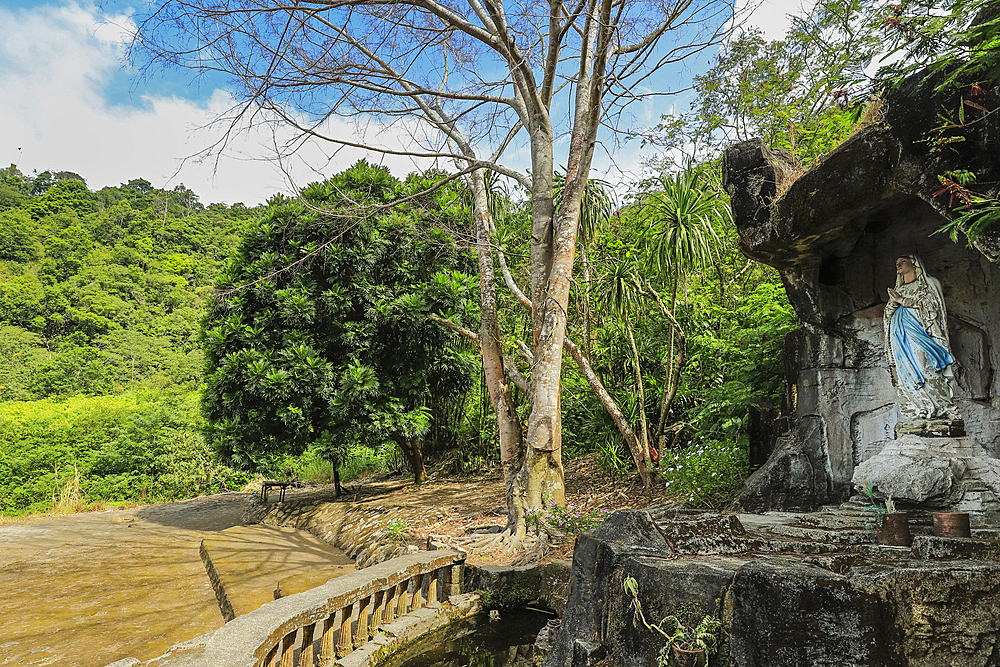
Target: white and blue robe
x: 918, y: 351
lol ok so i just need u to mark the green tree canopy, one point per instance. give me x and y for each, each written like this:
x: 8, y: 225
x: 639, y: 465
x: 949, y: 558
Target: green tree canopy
x: 320, y: 332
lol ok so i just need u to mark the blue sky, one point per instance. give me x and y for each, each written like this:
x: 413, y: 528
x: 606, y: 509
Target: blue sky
x: 68, y: 101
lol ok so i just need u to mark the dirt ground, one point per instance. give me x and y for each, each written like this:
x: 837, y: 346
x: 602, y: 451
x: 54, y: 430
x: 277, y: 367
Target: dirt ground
x: 478, y: 501
x: 87, y: 589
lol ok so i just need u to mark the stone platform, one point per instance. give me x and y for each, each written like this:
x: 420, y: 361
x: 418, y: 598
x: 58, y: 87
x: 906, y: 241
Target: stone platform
x: 935, y: 474
x: 791, y: 590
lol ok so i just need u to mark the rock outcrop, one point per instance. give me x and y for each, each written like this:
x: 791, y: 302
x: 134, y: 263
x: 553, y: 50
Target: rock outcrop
x: 937, y: 474
x: 791, y: 590
x: 834, y: 235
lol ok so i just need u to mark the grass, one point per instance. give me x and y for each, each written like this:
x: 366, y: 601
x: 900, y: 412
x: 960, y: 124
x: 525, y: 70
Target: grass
x: 358, y: 462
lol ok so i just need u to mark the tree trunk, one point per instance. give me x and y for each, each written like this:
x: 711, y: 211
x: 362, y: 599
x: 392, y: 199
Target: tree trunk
x: 674, y: 364
x: 584, y: 257
x: 501, y: 398
x: 668, y: 373
x: 674, y: 368
x: 641, y: 461
x: 643, y: 430
x: 593, y: 380
x: 544, y: 478
x: 550, y: 277
x: 554, y: 238
x: 411, y: 450
x: 337, y: 491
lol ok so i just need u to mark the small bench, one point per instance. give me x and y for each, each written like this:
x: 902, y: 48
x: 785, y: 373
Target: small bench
x: 267, y: 485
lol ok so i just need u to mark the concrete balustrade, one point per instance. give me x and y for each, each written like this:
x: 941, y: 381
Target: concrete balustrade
x: 346, y: 612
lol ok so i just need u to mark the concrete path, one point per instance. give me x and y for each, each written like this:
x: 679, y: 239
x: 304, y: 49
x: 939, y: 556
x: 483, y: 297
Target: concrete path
x: 88, y: 589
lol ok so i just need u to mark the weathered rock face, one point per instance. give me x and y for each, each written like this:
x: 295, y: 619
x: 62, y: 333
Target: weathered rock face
x: 834, y: 236
x: 790, y: 591
x: 943, y: 474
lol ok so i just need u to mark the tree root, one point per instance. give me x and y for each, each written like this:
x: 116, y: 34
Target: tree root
x: 481, y: 543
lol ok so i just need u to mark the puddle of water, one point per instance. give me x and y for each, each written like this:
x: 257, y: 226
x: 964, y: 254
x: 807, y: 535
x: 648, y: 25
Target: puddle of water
x: 478, y: 642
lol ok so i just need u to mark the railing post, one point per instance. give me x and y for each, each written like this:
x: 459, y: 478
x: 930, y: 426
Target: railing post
x: 306, y: 646
x: 272, y: 656
x: 391, y: 601
x: 455, y: 579
x: 361, y: 634
x: 418, y: 592
x: 402, y: 597
x: 344, y: 643
x: 378, y: 611
x: 288, y: 649
x: 432, y: 586
x: 327, y: 651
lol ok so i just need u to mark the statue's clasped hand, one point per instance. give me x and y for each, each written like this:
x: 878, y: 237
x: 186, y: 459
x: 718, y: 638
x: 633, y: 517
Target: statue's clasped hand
x: 895, y: 296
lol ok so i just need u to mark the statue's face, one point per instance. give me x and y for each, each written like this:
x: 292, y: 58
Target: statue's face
x: 904, y: 265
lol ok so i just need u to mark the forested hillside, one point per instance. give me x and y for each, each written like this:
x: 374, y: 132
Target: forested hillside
x: 101, y: 295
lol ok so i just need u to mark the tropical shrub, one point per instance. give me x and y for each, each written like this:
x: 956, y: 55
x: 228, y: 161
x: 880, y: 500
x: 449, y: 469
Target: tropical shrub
x: 707, y: 473
x: 138, y: 447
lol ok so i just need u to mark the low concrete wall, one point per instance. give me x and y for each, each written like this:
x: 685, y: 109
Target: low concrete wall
x: 543, y: 586
x: 250, y: 640
x: 359, y: 529
x: 225, y: 606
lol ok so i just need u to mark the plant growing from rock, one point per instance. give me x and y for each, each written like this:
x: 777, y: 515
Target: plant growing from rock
x: 395, y: 530
x: 702, y: 638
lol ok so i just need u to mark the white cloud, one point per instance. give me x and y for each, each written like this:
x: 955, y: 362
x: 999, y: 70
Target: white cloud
x: 773, y: 17
x: 54, y: 63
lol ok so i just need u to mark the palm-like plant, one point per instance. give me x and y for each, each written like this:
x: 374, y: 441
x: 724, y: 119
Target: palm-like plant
x: 596, y: 209
x: 618, y: 292
x: 682, y: 216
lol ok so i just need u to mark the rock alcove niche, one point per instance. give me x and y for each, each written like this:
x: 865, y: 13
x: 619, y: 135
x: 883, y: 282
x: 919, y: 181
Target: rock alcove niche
x: 834, y: 236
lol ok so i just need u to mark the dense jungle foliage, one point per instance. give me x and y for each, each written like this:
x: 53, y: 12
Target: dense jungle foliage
x: 102, y: 347
x: 101, y: 297
x: 125, y: 376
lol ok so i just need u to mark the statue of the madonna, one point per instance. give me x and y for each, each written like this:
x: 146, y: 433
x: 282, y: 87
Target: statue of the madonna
x: 916, y: 342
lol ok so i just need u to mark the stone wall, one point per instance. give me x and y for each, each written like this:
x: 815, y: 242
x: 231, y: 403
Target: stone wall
x: 834, y: 236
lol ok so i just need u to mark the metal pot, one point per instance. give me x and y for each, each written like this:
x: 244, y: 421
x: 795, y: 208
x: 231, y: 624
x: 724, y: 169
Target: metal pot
x: 952, y: 524
x: 895, y: 530
x: 684, y: 658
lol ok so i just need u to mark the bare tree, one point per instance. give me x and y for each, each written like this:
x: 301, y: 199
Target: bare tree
x: 472, y: 81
